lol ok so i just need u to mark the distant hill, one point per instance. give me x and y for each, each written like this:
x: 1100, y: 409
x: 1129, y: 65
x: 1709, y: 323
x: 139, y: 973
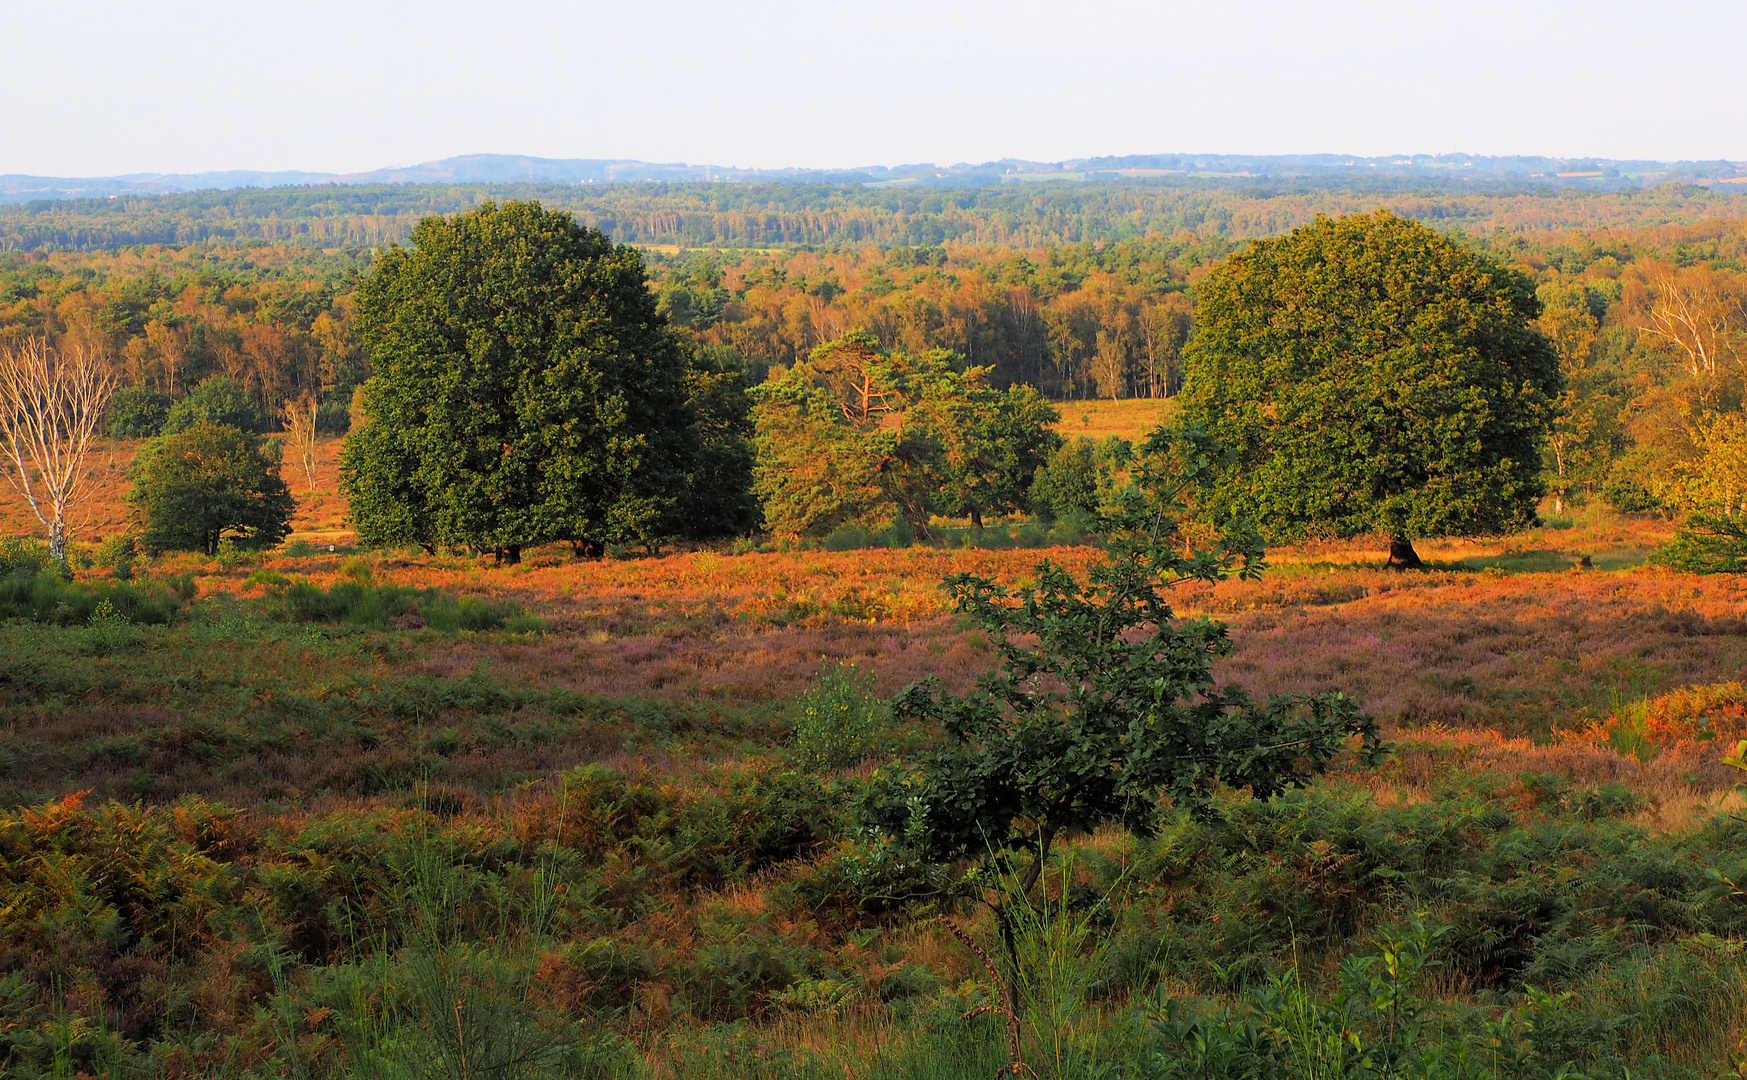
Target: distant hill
x: 511, y: 168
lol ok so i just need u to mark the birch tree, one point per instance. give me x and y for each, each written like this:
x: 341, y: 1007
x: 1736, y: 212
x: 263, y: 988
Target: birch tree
x: 300, y: 425
x: 1698, y: 314
x: 51, y: 401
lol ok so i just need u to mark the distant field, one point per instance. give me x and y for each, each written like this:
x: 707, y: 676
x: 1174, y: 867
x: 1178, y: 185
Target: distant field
x: 1133, y: 419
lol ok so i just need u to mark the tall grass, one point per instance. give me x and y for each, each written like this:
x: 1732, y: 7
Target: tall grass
x: 453, y: 990
x: 360, y: 602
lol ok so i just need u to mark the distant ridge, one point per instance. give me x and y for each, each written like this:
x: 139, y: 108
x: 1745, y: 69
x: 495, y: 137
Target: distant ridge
x: 511, y: 168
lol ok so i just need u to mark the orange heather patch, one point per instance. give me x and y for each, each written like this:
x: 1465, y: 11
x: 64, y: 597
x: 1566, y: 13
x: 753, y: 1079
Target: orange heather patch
x: 1719, y: 709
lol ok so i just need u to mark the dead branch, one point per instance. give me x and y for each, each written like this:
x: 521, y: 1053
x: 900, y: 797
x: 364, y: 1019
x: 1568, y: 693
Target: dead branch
x: 1007, y: 1004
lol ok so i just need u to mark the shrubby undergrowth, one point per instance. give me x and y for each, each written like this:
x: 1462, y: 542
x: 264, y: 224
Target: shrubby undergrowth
x: 357, y: 601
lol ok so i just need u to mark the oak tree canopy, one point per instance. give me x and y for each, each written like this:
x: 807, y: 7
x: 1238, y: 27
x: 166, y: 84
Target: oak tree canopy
x: 528, y: 392
x: 1372, y: 376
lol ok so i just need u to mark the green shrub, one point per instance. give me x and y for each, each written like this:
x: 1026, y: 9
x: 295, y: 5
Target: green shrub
x: 837, y: 721
x: 22, y: 554
x: 197, y: 487
x: 44, y: 596
x: 334, y: 417
x: 218, y: 401
x: 117, y: 554
x: 1080, y: 477
x: 1628, y: 496
x: 1708, y: 545
x: 356, y: 602
x: 850, y: 537
x: 853, y: 537
x: 137, y: 413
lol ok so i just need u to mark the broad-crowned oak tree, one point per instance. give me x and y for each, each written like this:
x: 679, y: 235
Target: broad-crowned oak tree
x: 1371, y: 376
x: 526, y: 391
x: 209, y: 482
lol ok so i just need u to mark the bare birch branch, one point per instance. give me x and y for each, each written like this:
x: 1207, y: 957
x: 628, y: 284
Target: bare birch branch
x: 300, y: 425
x: 50, y: 404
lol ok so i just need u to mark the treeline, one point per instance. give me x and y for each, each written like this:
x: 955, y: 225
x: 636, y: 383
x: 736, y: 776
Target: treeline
x: 1075, y: 321
x: 274, y: 322
x: 1650, y: 325
x: 844, y: 215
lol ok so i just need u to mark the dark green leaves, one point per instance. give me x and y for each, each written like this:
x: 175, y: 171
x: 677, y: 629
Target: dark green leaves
x: 1372, y: 376
x: 1104, y: 702
x: 526, y: 390
x: 207, y: 483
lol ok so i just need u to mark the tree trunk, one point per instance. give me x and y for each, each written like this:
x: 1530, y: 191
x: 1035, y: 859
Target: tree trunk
x: 57, y: 540
x: 977, y: 519
x: 1402, y: 556
x: 512, y: 555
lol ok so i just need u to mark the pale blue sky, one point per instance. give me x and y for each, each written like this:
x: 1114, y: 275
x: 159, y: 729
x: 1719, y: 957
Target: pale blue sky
x: 101, y: 87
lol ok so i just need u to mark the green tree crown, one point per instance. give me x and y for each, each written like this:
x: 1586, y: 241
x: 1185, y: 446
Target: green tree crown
x: 857, y: 434
x: 1371, y: 375
x: 526, y: 390
x: 217, y: 400
x: 205, y: 483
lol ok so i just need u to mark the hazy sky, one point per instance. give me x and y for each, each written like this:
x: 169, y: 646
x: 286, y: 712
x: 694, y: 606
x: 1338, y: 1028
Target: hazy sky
x: 102, y: 87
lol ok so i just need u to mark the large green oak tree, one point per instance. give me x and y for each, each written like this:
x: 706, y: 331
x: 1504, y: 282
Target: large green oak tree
x: 1371, y: 376
x: 526, y: 391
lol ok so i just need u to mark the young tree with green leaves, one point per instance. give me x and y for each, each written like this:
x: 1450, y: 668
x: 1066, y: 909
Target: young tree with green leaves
x: 1372, y: 376
x: 857, y: 434
x: 1080, y: 476
x: 526, y: 392
x: 991, y: 442
x: 208, y: 482
x: 1104, y: 702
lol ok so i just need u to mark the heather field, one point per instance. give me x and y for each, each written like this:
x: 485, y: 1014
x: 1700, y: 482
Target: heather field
x: 317, y: 813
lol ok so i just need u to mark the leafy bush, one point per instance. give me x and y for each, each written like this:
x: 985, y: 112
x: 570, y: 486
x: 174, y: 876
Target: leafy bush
x: 837, y: 720
x: 46, y: 597
x: 117, y: 554
x: 220, y: 401
x: 1103, y: 703
x: 1628, y: 496
x: 137, y: 413
x: 1079, y: 477
x: 206, y: 483
x: 334, y: 417
x: 1707, y: 544
x: 853, y: 537
x: 22, y: 554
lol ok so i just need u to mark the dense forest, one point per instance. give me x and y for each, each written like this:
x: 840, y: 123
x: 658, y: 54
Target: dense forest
x: 769, y: 215
x: 1081, y: 293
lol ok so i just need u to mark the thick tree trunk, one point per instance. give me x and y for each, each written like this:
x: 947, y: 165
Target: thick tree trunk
x: 977, y: 519
x: 587, y: 549
x: 1402, y: 556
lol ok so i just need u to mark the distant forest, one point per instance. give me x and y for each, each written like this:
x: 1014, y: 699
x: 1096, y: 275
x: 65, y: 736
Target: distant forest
x: 791, y: 215
x: 1083, y: 290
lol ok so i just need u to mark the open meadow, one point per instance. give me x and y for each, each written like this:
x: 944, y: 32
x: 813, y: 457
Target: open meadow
x: 314, y: 813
